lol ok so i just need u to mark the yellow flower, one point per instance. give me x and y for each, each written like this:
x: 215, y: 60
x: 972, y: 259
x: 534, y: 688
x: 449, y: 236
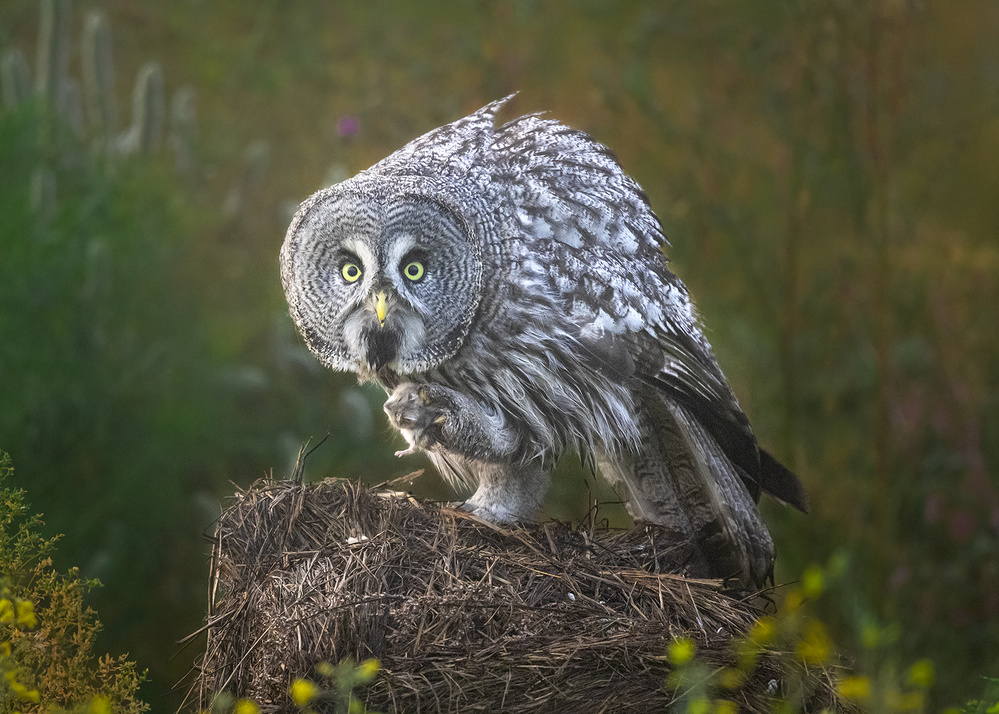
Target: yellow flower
x: 731, y: 678
x: 5, y: 649
x: 25, y: 694
x: 814, y: 646
x: 246, y: 706
x: 793, y: 601
x: 326, y: 670
x: 857, y: 689
x: 99, y: 705
x: 26, y: 614
x: 724, y: 706
x: 812, y: 582
x: 921, y: 674
x: 680, y: 651
x: 303, y: 691
x: 6, y: 611
x: 763, y: 631
x: 699, y: 705
x: 367, y: 670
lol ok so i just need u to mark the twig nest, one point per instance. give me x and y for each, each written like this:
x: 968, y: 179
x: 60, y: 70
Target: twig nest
x: 463, y: 615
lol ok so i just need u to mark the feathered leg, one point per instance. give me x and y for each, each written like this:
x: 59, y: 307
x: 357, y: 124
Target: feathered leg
x: 681, y: 479
x: 470, y: 446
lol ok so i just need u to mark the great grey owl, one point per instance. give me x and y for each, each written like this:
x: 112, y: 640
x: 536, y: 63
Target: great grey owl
x: 506, y: 285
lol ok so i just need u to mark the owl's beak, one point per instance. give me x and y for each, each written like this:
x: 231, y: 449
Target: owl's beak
x: 381, y: 308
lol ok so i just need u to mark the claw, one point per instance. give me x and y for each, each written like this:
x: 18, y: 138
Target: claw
x: 406, y: 452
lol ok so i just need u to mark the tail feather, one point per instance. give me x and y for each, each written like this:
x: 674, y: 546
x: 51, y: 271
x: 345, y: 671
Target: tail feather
x: 730, y: 429
x: 781, y: 483
x: 683, y: 479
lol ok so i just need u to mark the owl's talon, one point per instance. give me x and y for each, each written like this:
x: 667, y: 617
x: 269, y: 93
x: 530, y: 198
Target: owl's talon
x: 421, y: 413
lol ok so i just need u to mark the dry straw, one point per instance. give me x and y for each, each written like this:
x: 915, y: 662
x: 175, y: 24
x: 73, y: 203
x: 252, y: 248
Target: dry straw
x: 464, y: 616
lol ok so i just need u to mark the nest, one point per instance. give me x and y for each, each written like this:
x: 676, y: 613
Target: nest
x: 463, y: 615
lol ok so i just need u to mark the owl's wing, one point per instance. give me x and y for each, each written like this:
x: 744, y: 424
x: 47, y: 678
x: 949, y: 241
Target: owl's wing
x: 587, y: 229
x: 592, y: 234
x: 689, y: 375
x: 679, y: 363
x: 698, y: 469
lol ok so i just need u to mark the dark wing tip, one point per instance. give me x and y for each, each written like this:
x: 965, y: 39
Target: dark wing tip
x: 777, y: 480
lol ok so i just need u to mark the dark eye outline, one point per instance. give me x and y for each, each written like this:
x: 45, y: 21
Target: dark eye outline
x: 421, y: 271
x: 347, y: 265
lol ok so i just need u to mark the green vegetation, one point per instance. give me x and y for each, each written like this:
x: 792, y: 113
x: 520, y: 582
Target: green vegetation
x: 877, y: 680
x: 48, y: 660
x: 133, y: 396
x: 825, y: 171
x: 337, y: 684
x: 332, y: 687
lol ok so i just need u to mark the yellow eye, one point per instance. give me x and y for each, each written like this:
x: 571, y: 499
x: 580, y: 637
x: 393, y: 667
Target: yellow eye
x: 351, y: 272
x: 413, y: 271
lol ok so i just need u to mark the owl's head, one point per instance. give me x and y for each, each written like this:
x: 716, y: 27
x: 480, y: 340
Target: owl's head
x: 380, y: 276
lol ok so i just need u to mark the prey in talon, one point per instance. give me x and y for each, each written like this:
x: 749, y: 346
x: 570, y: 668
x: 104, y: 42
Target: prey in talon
x: 409, y: 410
x: 472, y: 444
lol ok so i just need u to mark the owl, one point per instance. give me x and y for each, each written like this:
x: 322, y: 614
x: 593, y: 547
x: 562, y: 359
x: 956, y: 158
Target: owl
x: 506, y: 285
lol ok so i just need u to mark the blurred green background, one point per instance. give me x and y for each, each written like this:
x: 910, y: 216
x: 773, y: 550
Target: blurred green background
x: 827, y: 173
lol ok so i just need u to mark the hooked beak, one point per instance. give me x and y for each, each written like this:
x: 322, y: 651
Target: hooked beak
x: 381, y: 308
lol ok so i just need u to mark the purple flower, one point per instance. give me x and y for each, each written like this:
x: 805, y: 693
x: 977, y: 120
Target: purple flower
x: 348, y: 125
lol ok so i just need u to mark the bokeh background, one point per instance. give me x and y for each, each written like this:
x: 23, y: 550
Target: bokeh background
x: 827, y: 173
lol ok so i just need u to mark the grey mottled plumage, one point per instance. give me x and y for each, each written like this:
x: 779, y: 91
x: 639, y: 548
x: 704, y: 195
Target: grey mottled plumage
x: 506, y: 285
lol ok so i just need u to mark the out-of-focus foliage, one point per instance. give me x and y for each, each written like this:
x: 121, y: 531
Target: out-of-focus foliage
x: 127, y: 392
x: 334, y: 690
x: 337, y: 685
x: 826, y: 173
x: 857, y: 289
x: 47, y: 654
x: 877, y: 680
